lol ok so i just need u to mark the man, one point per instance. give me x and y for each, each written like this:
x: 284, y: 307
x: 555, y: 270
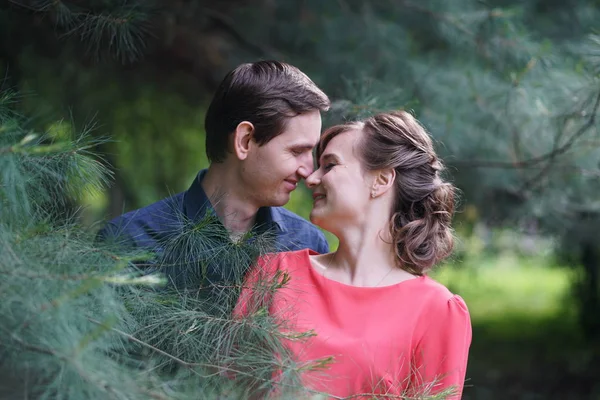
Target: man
x: 261, y: 128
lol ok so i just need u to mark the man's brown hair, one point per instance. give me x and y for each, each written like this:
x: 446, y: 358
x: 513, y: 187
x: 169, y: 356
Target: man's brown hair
x: 264, y: 93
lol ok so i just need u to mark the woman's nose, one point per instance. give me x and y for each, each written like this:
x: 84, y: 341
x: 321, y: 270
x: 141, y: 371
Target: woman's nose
x: 313, y: 179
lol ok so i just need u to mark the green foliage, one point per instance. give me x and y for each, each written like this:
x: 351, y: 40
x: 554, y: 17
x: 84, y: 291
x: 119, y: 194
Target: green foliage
x: 74, y: 311
x: 508, y: 88
x: 36, y: 169
x: 118, y: 28
x: 157, y: 137
x: 482, y: 78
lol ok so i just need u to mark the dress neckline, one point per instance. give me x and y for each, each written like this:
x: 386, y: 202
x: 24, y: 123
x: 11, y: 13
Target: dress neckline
x: 308, y: 252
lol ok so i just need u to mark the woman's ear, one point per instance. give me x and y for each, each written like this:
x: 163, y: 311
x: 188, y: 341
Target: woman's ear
x: 242, y: 136
x: 384, y: 181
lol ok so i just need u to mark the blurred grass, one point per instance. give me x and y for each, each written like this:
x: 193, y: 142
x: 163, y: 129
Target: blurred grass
x: 526, y: 340
x: 507, y: 284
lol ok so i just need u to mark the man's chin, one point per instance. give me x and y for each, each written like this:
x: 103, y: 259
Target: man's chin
x: 280, y: 200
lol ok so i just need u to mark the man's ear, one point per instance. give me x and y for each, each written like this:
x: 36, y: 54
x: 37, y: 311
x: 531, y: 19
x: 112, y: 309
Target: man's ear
x: 384, y: 181
x: 242, y: 137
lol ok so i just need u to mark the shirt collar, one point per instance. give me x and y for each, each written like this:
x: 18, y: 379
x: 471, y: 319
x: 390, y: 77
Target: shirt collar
x: 195, y: 199
x: 270, y: 217
x: 196, y: 205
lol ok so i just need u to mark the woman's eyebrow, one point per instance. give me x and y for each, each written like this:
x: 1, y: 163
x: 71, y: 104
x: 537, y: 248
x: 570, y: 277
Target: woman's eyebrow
x: 328, y: 156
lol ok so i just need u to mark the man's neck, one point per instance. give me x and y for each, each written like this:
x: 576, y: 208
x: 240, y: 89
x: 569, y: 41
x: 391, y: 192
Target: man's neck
x: 227, y: 196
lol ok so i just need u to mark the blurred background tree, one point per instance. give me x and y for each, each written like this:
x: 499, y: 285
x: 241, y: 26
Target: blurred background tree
x: 510, y: 90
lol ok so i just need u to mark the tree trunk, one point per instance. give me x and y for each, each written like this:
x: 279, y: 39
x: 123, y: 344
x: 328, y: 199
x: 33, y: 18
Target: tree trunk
x: 589, y: 290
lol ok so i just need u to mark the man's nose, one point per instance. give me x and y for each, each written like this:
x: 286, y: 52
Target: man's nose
x: 306, y: 168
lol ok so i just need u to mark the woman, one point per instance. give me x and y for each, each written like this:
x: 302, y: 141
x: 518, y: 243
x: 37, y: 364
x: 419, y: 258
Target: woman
x: 390, y: 328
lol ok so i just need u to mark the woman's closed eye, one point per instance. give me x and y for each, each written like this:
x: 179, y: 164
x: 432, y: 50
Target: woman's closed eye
x: 328, y: 166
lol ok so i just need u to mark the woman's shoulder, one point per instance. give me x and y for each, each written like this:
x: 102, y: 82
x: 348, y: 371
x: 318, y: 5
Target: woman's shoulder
x: 439, y: 297
x: 440, y: 310
x: 284, y: 259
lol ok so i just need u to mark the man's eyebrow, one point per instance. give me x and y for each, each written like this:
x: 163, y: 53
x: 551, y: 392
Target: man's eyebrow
x: 302, y: 146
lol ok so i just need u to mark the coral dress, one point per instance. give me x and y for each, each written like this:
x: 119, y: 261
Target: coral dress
x: 409, y: 338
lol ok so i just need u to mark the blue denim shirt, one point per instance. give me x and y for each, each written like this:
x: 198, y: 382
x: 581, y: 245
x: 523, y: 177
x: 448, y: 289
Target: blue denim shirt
x: 154, y: 227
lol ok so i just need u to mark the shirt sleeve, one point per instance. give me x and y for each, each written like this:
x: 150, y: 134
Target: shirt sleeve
x: 440, y: 358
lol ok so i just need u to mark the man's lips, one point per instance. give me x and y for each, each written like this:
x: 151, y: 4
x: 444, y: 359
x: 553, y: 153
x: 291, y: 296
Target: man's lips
x: 291, y: 184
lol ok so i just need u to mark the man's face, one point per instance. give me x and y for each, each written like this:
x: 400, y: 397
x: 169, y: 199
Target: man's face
x: 273, y: 170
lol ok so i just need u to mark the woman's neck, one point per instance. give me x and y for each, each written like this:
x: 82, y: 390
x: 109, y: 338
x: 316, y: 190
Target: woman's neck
x: 365, y: 257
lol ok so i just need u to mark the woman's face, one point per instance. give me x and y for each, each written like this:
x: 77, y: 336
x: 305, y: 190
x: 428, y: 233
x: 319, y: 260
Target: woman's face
x: 341, y: 189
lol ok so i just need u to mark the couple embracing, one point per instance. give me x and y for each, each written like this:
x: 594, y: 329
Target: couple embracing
x: 376, y: 186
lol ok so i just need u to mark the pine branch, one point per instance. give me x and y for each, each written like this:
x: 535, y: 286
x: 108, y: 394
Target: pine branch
x: 103, y: 385
x: 229, y: 26
x: 536, y: 180
x: 122, y: 31
x: 551, y: 155
x: 218, y: 368
x: 441, y: 17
